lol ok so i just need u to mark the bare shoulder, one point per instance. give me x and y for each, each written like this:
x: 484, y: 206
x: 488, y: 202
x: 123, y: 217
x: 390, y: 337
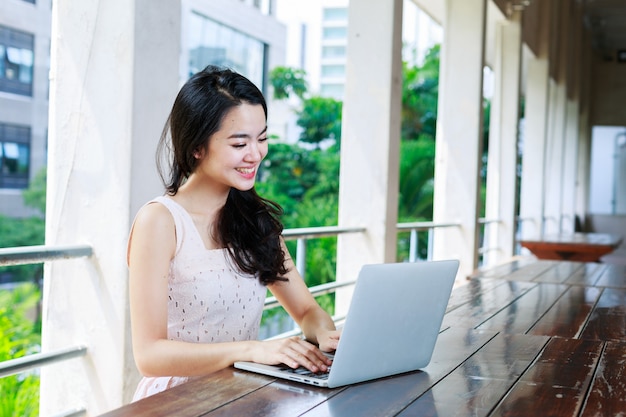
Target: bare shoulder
x: 154, y: 224
x: 153, y: 215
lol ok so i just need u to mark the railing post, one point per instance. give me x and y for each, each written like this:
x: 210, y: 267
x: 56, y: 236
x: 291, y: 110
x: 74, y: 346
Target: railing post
x: 431, y: 236
x: 301, y: 257
x: 413, y: 246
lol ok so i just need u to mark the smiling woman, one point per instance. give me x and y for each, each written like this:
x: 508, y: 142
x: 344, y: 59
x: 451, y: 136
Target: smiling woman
x: 201, y: 256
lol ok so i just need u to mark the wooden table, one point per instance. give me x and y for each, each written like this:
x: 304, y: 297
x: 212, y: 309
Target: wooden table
x: 582, y: 247
x: 528, y: 338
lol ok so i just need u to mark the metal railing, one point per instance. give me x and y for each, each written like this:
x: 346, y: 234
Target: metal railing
x: 43, y: 253
x: 34, y: 255
x: 414, y: 228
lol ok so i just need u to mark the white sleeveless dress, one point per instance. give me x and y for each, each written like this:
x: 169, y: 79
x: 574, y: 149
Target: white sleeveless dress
x: 209, y: 300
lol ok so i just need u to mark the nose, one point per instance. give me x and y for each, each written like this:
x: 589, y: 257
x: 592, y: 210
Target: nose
x: 255, y: 153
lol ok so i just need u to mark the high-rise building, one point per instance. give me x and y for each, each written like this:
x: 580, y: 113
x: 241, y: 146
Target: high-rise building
x: 317, y: 38
x: 24, y: 66
x: 241, y: 34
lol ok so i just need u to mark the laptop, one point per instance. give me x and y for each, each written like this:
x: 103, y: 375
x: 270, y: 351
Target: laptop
x: 391, y: 327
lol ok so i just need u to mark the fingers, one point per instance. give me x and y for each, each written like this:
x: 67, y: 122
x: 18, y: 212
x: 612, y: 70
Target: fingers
x: 302, y: 353
x: 329, y: 341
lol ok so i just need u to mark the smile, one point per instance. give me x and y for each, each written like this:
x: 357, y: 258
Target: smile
x: 245, y: 170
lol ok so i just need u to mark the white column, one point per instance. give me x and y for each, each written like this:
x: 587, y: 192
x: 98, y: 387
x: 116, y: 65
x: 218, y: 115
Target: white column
x: 533, y: 147
x: 533, y: 143
x: 503, y: 132
x: 556, y: 140
x: 584, y: 138
x: 570, y: 166
x: 370, y: 138
x: 114, y: 74
x: 554, y: 161
x: 459, y: 133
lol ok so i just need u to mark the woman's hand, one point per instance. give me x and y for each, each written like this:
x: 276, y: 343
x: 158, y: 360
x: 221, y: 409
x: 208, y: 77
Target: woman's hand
x: 293, y: 352
x: 328, y: 340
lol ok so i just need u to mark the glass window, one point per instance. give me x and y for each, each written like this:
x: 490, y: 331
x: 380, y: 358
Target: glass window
x: 335, y: 33
x: 213, y: 43
x: 16, y: 61
x: 14, y: 156
x: 607, y: 190
x: 333, y: 70
x: 332, y: 90
x: 336, y: 13
x: 333, y: 52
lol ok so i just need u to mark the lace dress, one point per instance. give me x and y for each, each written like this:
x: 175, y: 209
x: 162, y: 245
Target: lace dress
x: 209, y: 301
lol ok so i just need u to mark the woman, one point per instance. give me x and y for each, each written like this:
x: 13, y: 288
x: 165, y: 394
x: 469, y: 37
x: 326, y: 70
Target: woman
x: 201, y: 257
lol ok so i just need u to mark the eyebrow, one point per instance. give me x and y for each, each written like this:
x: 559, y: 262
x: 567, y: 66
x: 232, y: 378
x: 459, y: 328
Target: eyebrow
x: 245, y: 135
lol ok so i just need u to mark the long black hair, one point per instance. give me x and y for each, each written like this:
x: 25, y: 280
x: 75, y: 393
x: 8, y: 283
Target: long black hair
x: 248, y: 225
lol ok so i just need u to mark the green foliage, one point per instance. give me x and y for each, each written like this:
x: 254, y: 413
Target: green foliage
x: 287, y: 174
x: 35, y: 195
x: 19, y: 394
x: 320, y: 119
x: 420, y: 89
x: 417, y: 167
x: 286, y: 81
x: 306, y: 182
x: 21, y: 232
x: 15, y: 232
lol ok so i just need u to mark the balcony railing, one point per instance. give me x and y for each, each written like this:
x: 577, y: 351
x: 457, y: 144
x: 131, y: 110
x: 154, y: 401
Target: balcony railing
x: 40, y: 254
x: 33, y: 255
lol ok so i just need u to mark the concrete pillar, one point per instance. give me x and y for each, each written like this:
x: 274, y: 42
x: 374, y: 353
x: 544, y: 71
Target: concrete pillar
x: 532, y: 187
x: 572, y: 127
x: 459, y: 133
x: 556, y: 143
x: 533, y: 147
x: 503, y: 134
x: 570, y: 166
x: 370, y: 138
x: 584, y: 129
x: 113, y: 80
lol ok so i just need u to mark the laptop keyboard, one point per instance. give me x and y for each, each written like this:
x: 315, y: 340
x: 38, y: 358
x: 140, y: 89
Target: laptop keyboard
x: 305, y: 372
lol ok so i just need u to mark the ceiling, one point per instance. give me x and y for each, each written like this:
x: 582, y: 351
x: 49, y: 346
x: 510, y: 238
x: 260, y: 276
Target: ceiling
x: 606, y: 19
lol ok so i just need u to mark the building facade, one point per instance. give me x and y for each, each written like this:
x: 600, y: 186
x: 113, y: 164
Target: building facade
x: 24, y: 66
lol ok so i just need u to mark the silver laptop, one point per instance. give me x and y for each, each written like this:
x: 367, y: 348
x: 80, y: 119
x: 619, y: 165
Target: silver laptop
x: 391, y: 327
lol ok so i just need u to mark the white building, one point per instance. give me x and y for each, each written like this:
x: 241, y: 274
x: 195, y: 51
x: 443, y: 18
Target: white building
x: 24, y: 64
x: 317, y: 38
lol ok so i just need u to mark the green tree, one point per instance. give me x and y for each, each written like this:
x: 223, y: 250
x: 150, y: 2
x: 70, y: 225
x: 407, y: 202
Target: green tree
x: 20, y: 307
x: 19, y: 394
x: 15, y: 232
x: 35, y: 195
x: 420, y: 90
x: 417, y: 167
x: 306, y: 182
x: 320, y: 119
x: 287, y: 81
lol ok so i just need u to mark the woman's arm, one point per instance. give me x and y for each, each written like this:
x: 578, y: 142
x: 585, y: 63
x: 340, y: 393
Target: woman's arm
x: 295, y: 297
x: 151, y: 247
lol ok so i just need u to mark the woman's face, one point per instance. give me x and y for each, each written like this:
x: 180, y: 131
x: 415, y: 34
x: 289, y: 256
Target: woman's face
x: 237, y: 149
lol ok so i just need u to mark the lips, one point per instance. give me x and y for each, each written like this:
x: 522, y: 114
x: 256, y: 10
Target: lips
x: 246, y: 171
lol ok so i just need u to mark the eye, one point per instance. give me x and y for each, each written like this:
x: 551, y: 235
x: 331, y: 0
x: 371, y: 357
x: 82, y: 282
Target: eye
x: 263, y: 139
x: 239, y: 145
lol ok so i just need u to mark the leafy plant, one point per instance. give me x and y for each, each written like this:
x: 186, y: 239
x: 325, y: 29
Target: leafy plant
x: 320, y: 119
x: 287, y: 81
x: 21, y: 335
x: 15, y: 232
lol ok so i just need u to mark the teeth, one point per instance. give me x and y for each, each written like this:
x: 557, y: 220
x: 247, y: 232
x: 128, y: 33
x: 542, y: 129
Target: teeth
x: 245, y: 170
